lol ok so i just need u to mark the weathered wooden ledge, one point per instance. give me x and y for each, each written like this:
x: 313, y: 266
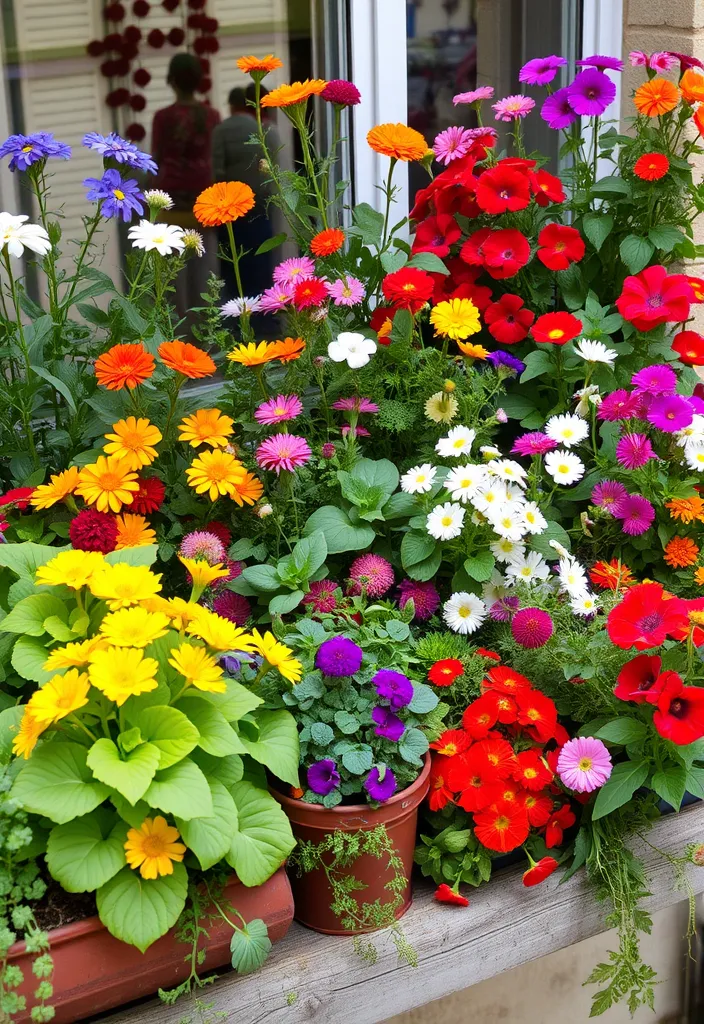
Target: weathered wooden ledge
x: 312, y: 977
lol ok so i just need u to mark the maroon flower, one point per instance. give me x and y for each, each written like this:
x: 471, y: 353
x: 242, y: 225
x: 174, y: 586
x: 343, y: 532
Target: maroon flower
x: 93, y: 531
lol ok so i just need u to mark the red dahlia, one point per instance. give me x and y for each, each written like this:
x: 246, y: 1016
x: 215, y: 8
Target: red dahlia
x: 444, y: 894
x: 537, y: 713
x: 471, y: 775
x: 508, y: 320
x: 645, y: 617
x: 150, y: 495
x: 559, y: 246
x: 408, y: 288
x: 537, y: 873
x: 556, y: 328
x: 91, y: 530
x: 655, y: 297
x: 481, y: 716
x: 651, y: 166
x: 506, y: 680
x: 310, y: 293
x: 689, y: 346
x: 502, y: 189
x: 505, y: 253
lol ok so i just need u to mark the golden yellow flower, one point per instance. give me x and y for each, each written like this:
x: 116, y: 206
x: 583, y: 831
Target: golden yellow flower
x: 219, y: 632
x: 215, y: 473
x: 201, y: 572
x: 73, y: 655
x: 133, y: 440
x: 107, y: 483
x: 27, y: 735
x: 133, y: 531
x: 472, y: 351
x: 248, y: 491
x: 180, y: 612
x: 123, y: 672
x: 206, y: 426
x: 441, y: 407
x: 455, y: 318
x: 59, y: 487
x: 198, y: 668
x: 277, y: 655
x: 122, y: 585
x: 253, y: 354
x: 153, y: 848
x: 59, y: 697
x: 134, y: 627
x: 72, y: 569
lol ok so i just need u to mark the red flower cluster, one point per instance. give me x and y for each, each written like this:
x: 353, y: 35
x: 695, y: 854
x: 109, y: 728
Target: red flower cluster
x: 646, y: 617
x: 679, y: 709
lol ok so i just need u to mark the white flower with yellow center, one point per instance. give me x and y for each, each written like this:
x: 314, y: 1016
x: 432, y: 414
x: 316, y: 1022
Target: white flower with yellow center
x: 489, y: 452
x: 694, y: 456
x: 595, y: 352
x: 586, y: 604
x: 163, y: 238
x: 445, y: 522
x: 693, y: 434
x: 506, y: 550
x: 419, y: 480
x: 573, y: 578
x: 458, y: 442
x: 441, y: 407
x: 565, y: 467
x: 509, y: 470
x: 16, y: 235
x: 532, y: 568
x: 489, y: 496
x: 533, y: 518
x: 568, y: 430
x: 506, y: 523
x: 463, y: 481
x: 464, y: 613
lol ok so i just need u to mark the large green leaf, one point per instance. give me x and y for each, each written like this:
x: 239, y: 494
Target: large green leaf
x: 146, y: 554
x: 57, y: 782
x: 376, y: 473
x: 29, y: 615
x: 10, y: 719
x: 167, y: 729
x: 133, y: 815
x: 340, y: 534
x: 237, y: 702
x: 416, y: 547
x: 86, y: 853
x: 636, y: 252
x: 250, y: 945
x: 277, y: 745
x: 140, y: 911
x: 217, y: 736
x: 625, y: 779
x: 597, y: 227
x: 263, y: 840
x: 670, y: 783
x: 309, y: 554
x: 130, y: 774
x: 25, y: 559
x: 181, y: 790
x: 211, y: 838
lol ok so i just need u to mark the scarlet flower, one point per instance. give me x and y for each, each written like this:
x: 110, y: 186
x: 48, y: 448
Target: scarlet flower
x: 439, y: 794
x: 502, y: 827
x: 505, y: 253
x: 444, y: 673
x: 613, y: 575
x: 408, y: 288
x: 17, y: 497
x: 645, y: 617
x: 444, y: 894
x: 499, y: 755
x: 327, y: 242
x: 505, y: 792
x: 150, y: 495
x: 537, y: 873
x: 479, y: 294
x: 651, y: 166
x: 697, y: 286
x: 124, y: 366
x: 654, y: 297
x: 506, y: 680
x: 560, y: 820
x: 451, y: 742
x: 556, y: 328
x: 481, y: 716
x: 693, y: 605
x: 531, y: 771
x: 436, y: 234
x: 537, y: 713
x: 559, y: 246
x: 310, y: 292
x: 538, y: 807
x: 680, y: 712
x: 470, y: 775
x: 508, y: 712
x: 636, y: 679
x: 508, y: 320
x: 472, y: 251
x: 546, y: 188
x: 483, y: 652
x: 501, y: 189
x: 186, y: 359
x: 689, y: 346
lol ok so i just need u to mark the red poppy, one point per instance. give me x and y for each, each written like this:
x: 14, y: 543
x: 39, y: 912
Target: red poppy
x: 537, y: 713
x: 538, y: 807
x: 654, y: 297
x: 559, y: 246
x: 451, y: 742
x: 483, y: 652
x: 502, y: 827
x: 506, y: 680
x: 547, y: 188
x: 508, y: 320
x: 537, y: 873
x: 502, y: 189
x: 481, y: 716
x: 637, y: 678
x: 444, y: 673
x: 531, y: 771
x: 436, y: 234
x: 470, y: 775
x: 499, y: 755
x: 439, y: 794
x: 560, y: 820
x: 645, y: 617
x: 505, y: 253
x: 408, y: 288
x: 651, y: 166
x: 556, y: 328
x: 472, y: 251
x: 680, y: 712
x: 689, y: 346
x: 444, y: 894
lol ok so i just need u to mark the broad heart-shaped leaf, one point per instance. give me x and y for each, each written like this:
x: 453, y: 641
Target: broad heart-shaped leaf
x: 635, y: 252
x: 263, y: 840
x: 623, y: 731
x: 144, y: 555
x: 428, y: 568
x: 537, y: 363
x: 216, y: 735
x: 413, y: 745
x: 358, y: 759
x: 134, y: 816
x: 376, y: 473
x: 428, y: 261
x: 625, y: 779
x: 237, y: 702
x: 309, y: 554
x: 211, y: 838
x: 81, y: 856
x: 541, y: 542
x: 28, y: 616
x: 28, y: 656
x: 130, y: 775
x: 181, y: 790
x: 250, y: 945
x: 262, y: 577
x: 597, y: 227
x: 424, y: 700
x: 670, y: 784
x: 25, y: 559
x: 480, y: 566
x: 139, y: 911
x: 10, y: 719
x: 57, y: 782
x: 340, y: 534
x: 227, y: 770
x: 282, y: 604
x: 277, y: 746
x: 415, y: 547
x: 167, y: 729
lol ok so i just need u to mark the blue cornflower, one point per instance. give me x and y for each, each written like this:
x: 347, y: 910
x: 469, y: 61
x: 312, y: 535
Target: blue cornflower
x: 113, y: 147
x: 119, y: 196
x: 505, y: 359
x: 25, y: 150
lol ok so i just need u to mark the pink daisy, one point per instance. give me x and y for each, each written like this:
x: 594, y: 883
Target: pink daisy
x: 634, y: 450
x: 275, y: 298
x: 636, y: 514
x: 513, y: 108
x: 484, y: 92
x: 452, y: 144
x: 278, y: 410
x: 283, y: 451
x: 425, y: 597
x: 294, y: 270
x: 322, y: 596
x: 531, y: 627
x: 348, y: 291
x: 584, y: 764
x: 371, y: 572
x: 355, y: 404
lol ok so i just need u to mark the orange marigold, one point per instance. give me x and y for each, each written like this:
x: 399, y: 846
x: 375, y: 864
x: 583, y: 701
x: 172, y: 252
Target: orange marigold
x: 680, y: 552
x: 288, y: 349
x: 296, y: 92
x: 185, y: 358
x: 692, y: 86
x: 686, y: 510
x: 223, y: 202
x: 658, y: 96
x: 259, y: 65
x: 124, y: 366
x: 398, y: 141
x: 613, y: 575
x: 327, y: 242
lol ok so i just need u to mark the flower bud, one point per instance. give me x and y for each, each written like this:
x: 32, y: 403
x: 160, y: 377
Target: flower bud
x: 448, y: 386
x: 265, y: 510
x: 501, y: 416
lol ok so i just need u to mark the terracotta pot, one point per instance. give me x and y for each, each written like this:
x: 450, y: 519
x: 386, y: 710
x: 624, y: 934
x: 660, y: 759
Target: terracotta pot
x: 94, y: 972
x: 311, y: 891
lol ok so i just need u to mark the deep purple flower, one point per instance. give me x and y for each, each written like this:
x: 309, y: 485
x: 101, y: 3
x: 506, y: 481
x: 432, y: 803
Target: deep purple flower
x: 323, y: 776
x: 388, y: 725
x: 619, y: 405
x: 339, y: 656
x: 556, y: 110
x: 425, y: 597
x: 503, y: 359
x: 636, y: 514
x: 25, y: 150
x: 601, y: 62
x: 534, y: 443
x: 113, y: 147
x: 394, y: 687
x: 634, y: 450
x: 670, y: 413
x: 231, y: 664
x: 591, y: 93
x: 120, y: 197
x: 659, y: 379
x: 378, y: 788
x: 541, y: 70
x: 503, y: 610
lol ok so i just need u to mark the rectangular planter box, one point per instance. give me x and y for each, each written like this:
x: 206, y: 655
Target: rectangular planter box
x: 95, y: 972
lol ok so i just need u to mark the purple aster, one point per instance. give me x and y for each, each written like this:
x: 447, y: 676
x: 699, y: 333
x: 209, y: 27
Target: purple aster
x: 541, y: 70
x: 634, y: 450
x: 342, y: 93
x: 388, y: 725
x: 619, y: 405
x: 379, y: 788
x: 601, y: 62
x: 505, y: 360
x: 483, y: 92
x: 355, y: 404
x: 504, y: 609
x: 323, y: 776
x: 118, y: 196
x: 359, y: 431
x: 25, y: 150
x: 339, y: 657
x: 231, y: 664
x: 113, y: 147
x: 452, y: 144
x: 557, y: 111
x: 670, y: 413
x: 591, y: 93
x: 276, y: 298
x: 534, y: 443
x: 660, y: 379
x: 425, y: 597
x: 394, y: 687
x: 298, y: 268
x: 608, y: 494
x: 636, y: 514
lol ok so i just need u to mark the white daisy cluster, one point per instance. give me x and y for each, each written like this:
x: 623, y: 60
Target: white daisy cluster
x: 573, y: 581
x: 691, y: 440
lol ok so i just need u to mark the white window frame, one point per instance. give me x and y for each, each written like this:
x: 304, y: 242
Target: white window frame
x: 602, y: 32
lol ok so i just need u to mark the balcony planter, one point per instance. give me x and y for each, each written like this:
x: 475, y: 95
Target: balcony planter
x: 311, y: 822
x: 95, y: 972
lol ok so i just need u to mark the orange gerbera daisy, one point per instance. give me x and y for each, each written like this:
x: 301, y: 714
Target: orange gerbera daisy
x: 472, y: 351
x: 397, y: 141
x: 259, y: 65
x: 686, y: 510
x: 658, y: 96
x: 253, y: 354
x: 58, y: 488
x: 248, y: 490
x: 288, y: 349
x: 699, y: 119
x: 185, y: 358
x: 108, y: 483
x: 692, y: 86
x: 327, y: 242
x: 613, y: 575
x: 680, y: 552
x: 223, y: 202
x: 124, y: 366
x: 296, y: 92
x: 133, y: 531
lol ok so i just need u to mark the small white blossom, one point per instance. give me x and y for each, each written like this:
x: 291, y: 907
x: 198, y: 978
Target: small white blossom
x: 157, y: 199
x: 419, y: 480
x: 162, y: 238
x: 585, y: 604
x: 352, y: 348
x: 595, y: 352
x: 445, y: 522
x: 532, y: 568
x: 236, y: 307
x: 587, y: 397
x: 463, y: 481
x: 573, y: 578
x: 507, y: 523
x: 692, y: 434
x: 495, y: 588
x: 567, y: 429
x: 505, y: 550
x: 694, y: 456
x: 509, y: 470
x: 458, y: 442
x: 564, y: 467
x: 193, y: 241
x: 533, y: 518
x: 489, y: 452
x: 464, y: 613
x: 16, y: 235
x: 559, y: 548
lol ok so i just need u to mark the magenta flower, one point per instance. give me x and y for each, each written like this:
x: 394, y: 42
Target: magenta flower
x: 388, y: 725
x: 608, y: 494
x: 283, y: 451
x: 619, y: 405
x: 655, y: 380
x: 328, y: 450
x: 481, y: 133
x: 371, y: 573
x: 504, y: 609
x: 341, y: 92
x: 322, y: 596
x: 347, y: 291
x: 276, y: 298
x: 531, y: 627
x: 355, y: 404
x: 662, y: 61
x: 233, y: 607
x: 484, y: 92
x: 591, y: 93
x: 379, y: 788
x: 513, y: 108
x: 670, y: 413
x: 686, y: 61
x: 584, y: 764
x: 452, y: 144
x: 534, y: 443
x: 634, y: 450
x: 425, y: 597
x: 557, y: 111
x: 359, y: 431
x: 636, y: 514
x: 637, y: 59
x: 541, y: 70
x: 204, y: 545
x: 294, y: 270
x: 278, y: 410
x: 339, y: 656
x: 394, y: 687
x: 601, y: 62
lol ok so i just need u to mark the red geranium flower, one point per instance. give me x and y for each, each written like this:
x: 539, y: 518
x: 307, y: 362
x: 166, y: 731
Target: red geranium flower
x: 501, y: 189
x: 503, y: 827
x: 505, y: 253
x: 537, y: 713
x: 483, y: 652
x: 645, y: 617
x: 508, y: 712
x: 538, y: 808
x: 560, y: 820
x: 150, y: 495
x: 451, y: 742
x: 537, y: 873
x: 444, y: 673
x: 481, y: 716
x: 531, y: 771
x: 689, y: 346
x: 506, y: 680
x: 310, y: 292
x: 547, y: 188
x: 680, y: 712
x: 654, y: 297
x: 651, y: 166
x: 444, y: 894
x: 637, y: 678
x: 508, y: 320
x: 439, y: 794
x: 556, y: 328
x: 499, y: 755
x: 436, y: 234
x: 470, y: 775
x: 560, y: 246
x: 472, y: 251
x: 408, y: 288
x: 506, y: 792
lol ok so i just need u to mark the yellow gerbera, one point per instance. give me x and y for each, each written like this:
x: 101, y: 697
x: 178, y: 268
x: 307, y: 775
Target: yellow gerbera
x: 206, y: 426
x: 203, y: 573
x: 180, y: 612
x: 472, y: 351
x: 73, y: 655
x: 277, y: 655
x: 27, y: 735
x: 218, y: 632
x: 153, y: 848
x: 133, y: 531
x: 122, y: 585
x: 133, y: 440
x: 216, y: 473
x: 59, y: 487
x: 455, y: 318
x: 198, y: 668
x: 72, y: 569
x: 253, y: 354
x: 134, y: 627
x: 123, y: 672
x: 441, y: 407
x: 248, y: 491
x: 59, y: 697
x: 108, y: 484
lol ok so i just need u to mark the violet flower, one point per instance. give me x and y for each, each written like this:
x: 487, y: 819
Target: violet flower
x: 379, y: 788
x: 541, y: 70
x: 323, y: 776
x: 670, y: 413
x: 591, y: 93
x: 388, y: 725
x: 557, y: 110
x: 394, y: 687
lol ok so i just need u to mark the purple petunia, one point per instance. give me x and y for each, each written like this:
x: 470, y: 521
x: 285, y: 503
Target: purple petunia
x: 670, y: 413
x: 557, y: 111
x: 608, y: 494
x: 534, y: 443
x: 601, y: 62
x: 323, y: 776
x: 636, y: 514
x: 113, y: 147
x: 541, y: 70
x: 25, y: 150
x: 619, y: 405
x: 380, y: 788
x: 634, y: 450
x: 339, y: 657
x: 591, y: 93
x: 118, y: 196
x: 504, y: 360
x: 388, y: 725
x: 659, y: 379
x: 394, y: 687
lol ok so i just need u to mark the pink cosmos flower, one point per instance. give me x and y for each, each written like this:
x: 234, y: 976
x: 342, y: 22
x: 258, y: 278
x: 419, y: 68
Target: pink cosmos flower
x: 634, y: 450
x: 584, y: 764
x: 348, y: 291
x: 636, y: 514
x: 637, y: 59
x: 278, y: 410
x: 662, y: 61
x: 294, y: 270
x: 355, y: 404
x: 484, y: 92
x: 452, y: 144
x: 619, y: 405
x: 283, y: 451
x: 276, y: 298
x: 513, y: 108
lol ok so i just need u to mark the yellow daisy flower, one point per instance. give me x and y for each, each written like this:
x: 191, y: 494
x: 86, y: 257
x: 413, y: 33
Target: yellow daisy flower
x: 472, y: 351
x: 59, y: 697
x: 248, y: 491
x: 133, y: 531
x: 123, y: 672
x: 153, y: 848
x: 277, y: 655
x: 180, y: 612
x: 59, y: 487
x: 27, y: 735
x: 73, y: 655
x: 198, y: 668
x: 441, y: 407
x: 122, y: 585
x: 108, y: 484
x: 134, y: 627
x: 253, y: 354
x: 206, y: 426
x: 455, y: 318
x: 216, y: 473
x: 133, y: 440
x: 203, y: 573
x: 72, y: 569
x: 219, y: 632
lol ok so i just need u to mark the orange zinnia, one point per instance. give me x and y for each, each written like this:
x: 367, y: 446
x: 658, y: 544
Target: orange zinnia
x: 222, y: 203
x: 327, y: 242
x: 296, y: 92
x: 288, y: 349
x: 692, y: 86
x: 658, y: 96
x: 680, y: 552
x: 247, y: 491
x: 699, y: 576
x: 259, y: 65
x: 686, y: 509
x: 124, y: 366
x: 398, y: 141
x: 186, y: 359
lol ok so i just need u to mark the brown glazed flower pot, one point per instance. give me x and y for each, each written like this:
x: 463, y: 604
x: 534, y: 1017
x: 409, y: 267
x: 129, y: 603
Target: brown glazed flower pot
x: 94, y: 971
x: 310, y: 822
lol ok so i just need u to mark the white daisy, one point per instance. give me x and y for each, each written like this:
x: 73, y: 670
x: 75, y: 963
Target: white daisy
x: 586, y: 604
x: 445, y: 522
x: 533, y: 518
x: 157, y: 199
x: 17, y: 235
x: 162, y: 238
x: 567, y: 429
x: 506, y: 523
x: 489, y: 452
x: 694, y: 456
x: 595, y: 352
x: 491, y: 495
x: 236, y: 307
x: 573, y: 578
x: 457, y: 443
x: 464, y: 613
x: 692, y: 434
x: 419, y: 480
x: 463, y: 481
x: 507, y: 469
x: 531, y: 568
x: 564, y: 467
x: 352, y: 348
x: 506, y: 550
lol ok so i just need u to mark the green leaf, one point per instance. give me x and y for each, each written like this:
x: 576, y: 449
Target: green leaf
x: 392, y: 261
x: 623, y: 731
x: 412, y: 746
x: 424, y: 699
x: 28, y: 656
x: 277, y: 745
x: 10, y: 719
x: 428, y: 568
x: 636, y: 252
x: 130, y: 777
x: 611, y: 185
x: 210, y: 838
x: 25, y: 559
x: 147, y: 554
x: 597, y: 227
x: 237, y: 702
x: 401, y: 328
x: 57, y: 782
x: 537, y: 363
x: 541, y: 542
x: 271, y: 243
x: 625, y: 779
x: 262, y: 577
x: 428, y: 261
x: 358, y: 759
x: 480, y: 567
x: 282, y: 604
x: 250, y: 945
x: 346, y: 722
x: 399, y: 506
x: 670, y: 784
x: 665, y: 236
x: 263, y: 840
x: 695, y: 782
x: 369, y: 224
x: 416, y: 547
x: 322, y: 734
x: 168, y: 729
x: 82, y: 855
x: 134, y: 816
x: 340, y: 534
x: 58, y: 385
x: 139, y: 911
x: 181, y: 790
x: 398, y: 630
x: 376, y: 473
x: 28, y: 616
x: 309, y: 554
x: 57, y: 628
x: 217, y: 736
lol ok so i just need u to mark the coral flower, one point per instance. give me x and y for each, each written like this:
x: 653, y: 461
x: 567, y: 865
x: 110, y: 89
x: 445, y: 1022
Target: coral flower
x: 645, y: 617
x: 223, y: 203
x: 546, y: 188
x: 537, y: 713
x: 153, y: 848
x: 408, y: 288
x: 455, y: 318
x: 59, y: 487
x: 506, y: 680
x: 310, y: 292
x: 556, y: 328
x: 124, y: 366
x: 680, y: 552
x: 559, y: 246
x: 327, y: 242
x: 133, y: 440
x: 259, y: 65
x: 584, y: 764
x: 288, y: 349
x: 654, y: 297
x: 692, y: 86
x: 187, y: 359
x: 502, y: 827
x: 133, y: 532
x: 439, y: 793
x: 215, y: 473
x: 508, y: 320
x: 656, y: 97
x: 397, y: 141
x: 297, y: 92
x: 502, y: 189
x: 651, y: 166
x: 558, y: 821
x: 444, y: 894
x: 107, y: 483
x: 283, y: 451
x: 253, y: 354
x: 451, y: 742
x: 206, y: 426
x: 613, y: 575
x: 538, y: 872
x: 689, y: 346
